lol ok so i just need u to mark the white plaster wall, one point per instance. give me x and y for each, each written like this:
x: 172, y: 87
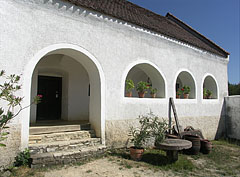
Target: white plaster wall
x: 233, y: 117
x: 75, y: 84
x: 31, y: 25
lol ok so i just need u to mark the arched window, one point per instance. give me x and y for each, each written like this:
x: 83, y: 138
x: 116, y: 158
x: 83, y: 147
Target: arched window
x: 184, y: 84
x: 210, y: 90
x: 149, y: 74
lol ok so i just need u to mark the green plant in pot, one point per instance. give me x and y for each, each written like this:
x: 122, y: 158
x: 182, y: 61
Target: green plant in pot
x: 129, y: 87
x: 153, y: 92
x: 209, y: 94
x: 178, y: 94
x: 142, y: 88
x: 158, y: 128
x: 139, y: 136
x: 204, y: 93
x: 186, y: 91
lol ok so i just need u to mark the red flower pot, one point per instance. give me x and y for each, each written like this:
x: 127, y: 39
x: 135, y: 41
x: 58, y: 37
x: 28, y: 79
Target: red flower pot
x: 129, y: 94
x: 141, y: 94
x: 136, y: 153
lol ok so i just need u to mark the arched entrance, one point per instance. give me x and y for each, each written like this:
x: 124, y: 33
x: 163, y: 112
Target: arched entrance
x: 81, y: 93
x: 146, y: 71
x: 210, y: 84
x: 185, y: 78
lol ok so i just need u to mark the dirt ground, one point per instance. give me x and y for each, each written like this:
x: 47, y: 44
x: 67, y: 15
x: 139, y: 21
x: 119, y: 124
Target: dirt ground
x: 107, y: 167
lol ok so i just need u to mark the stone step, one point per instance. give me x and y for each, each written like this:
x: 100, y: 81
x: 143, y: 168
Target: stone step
x: 36, y: 130
x: 63, y: 145
x: 67, y: 157
x: 62, y: 136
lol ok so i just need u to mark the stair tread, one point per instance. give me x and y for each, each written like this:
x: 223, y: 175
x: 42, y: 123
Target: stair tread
x: 36, y: 130
x: 60, y: 133
x: 67, y: 152
x: 68, y: 142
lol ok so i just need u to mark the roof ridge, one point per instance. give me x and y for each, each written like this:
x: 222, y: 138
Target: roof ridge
x: 196, y: 32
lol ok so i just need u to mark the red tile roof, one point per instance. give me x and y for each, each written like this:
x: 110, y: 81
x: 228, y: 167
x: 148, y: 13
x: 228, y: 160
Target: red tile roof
x: 169, y: 25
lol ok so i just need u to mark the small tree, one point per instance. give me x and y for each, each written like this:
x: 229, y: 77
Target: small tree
x: 8, y: 95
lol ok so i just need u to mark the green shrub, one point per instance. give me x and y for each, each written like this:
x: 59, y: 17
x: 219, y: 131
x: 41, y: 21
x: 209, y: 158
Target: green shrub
x: 23, y: 159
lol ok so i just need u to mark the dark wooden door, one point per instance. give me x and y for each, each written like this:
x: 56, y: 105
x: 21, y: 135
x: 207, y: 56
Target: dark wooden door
x: 51, y: 90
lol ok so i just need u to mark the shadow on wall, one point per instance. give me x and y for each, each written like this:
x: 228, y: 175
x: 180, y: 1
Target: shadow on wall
x: 229, y: 124
x: 221, y: 130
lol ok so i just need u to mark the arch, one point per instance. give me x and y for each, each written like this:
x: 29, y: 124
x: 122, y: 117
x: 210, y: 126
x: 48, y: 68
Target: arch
x: 209, y: 83
x: 143, y: 70
x: 185, y: 78
x: 97, y: 80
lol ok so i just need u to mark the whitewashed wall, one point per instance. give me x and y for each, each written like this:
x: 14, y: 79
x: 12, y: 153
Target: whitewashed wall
x: 30, y: 26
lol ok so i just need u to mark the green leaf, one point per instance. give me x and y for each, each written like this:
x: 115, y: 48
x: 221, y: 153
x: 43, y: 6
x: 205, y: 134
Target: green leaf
x: 2, y: 72
x: 2, y: 138
x: 4, y: 134
x: 1, y: 111
x: 2, y: 145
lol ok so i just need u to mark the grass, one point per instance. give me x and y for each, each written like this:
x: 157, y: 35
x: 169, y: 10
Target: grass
x: 222, y: 161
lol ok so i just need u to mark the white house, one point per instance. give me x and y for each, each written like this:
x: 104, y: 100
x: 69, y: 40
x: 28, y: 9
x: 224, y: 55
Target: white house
x: 82, y: 52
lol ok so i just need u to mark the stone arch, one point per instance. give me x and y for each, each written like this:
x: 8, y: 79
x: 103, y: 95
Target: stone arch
x: 143, y: 70
x: 185, y: 77
x: 96, y: 78
x: 209, y: 83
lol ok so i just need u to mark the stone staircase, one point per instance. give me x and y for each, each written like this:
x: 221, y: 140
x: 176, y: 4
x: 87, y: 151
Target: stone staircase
x: 63, y: 144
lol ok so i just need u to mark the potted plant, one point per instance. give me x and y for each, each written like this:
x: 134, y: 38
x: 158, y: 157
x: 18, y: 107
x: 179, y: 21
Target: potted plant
x: 209, y: 94
x: 178, y: 94
x: 139, y: 136
x: 158, y: 128
x: 186, y: 90
x: 142, y: 88
x: 153, y: 92
x: 204, y: 93
x: 129, y: 87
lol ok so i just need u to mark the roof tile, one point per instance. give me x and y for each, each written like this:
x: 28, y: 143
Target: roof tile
x: 169, y: 25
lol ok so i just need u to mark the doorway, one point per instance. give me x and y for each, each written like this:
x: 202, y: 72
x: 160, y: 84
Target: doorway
x: 51, y: 102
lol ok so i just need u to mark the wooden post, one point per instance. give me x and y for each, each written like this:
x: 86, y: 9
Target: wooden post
x: 175, y: 115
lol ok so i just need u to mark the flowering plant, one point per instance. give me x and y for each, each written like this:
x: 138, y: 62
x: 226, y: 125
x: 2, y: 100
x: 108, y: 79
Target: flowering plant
x: 186, y: 89
x: 8, y: 96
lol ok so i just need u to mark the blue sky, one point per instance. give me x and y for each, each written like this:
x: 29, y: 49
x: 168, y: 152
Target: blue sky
x: 218, y: 20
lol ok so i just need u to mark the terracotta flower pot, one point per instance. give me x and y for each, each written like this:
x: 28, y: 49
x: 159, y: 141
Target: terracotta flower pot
x: 209, y: 97
x: 141, y: 94
x: 136, y: 153
x: 153, y: 95
x: 178, y: 96
x: 129, y: 94
x: 185, y: 96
